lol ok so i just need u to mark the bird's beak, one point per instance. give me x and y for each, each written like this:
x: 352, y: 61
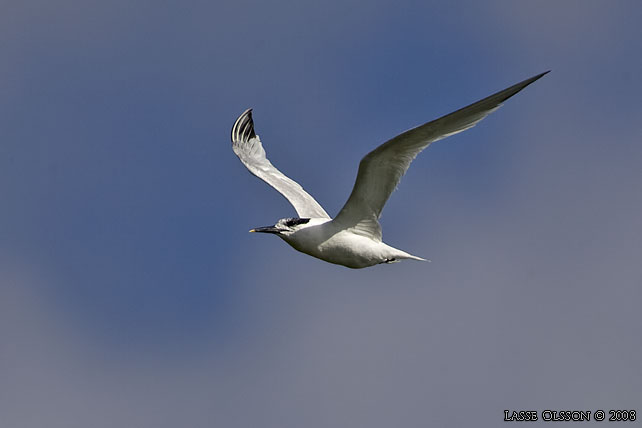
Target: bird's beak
x: 269, y: 229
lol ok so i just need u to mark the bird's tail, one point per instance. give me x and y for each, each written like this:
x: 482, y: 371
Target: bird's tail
x: 411, y: 257
x: 404, y: 255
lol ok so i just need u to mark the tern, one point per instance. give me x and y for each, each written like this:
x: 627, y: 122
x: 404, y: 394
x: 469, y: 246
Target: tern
x: 353, y: 238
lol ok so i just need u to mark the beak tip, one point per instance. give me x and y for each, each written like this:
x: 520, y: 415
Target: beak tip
x: 252, y: 230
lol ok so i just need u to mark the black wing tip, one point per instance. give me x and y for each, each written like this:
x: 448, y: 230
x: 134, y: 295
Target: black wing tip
x: 534, y: 78
x: 509, y: 92
x: 243, y: 129
x: 539, y: 76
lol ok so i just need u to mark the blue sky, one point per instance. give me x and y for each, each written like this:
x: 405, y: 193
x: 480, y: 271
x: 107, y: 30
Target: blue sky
x: 131, y: 293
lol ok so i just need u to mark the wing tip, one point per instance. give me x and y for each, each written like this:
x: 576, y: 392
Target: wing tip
x: 539, y: 76
x: 533, y: 79
x: 507, y: 93
x: 243, y: 129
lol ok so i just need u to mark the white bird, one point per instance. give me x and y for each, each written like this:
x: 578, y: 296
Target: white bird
x: 353, y: 237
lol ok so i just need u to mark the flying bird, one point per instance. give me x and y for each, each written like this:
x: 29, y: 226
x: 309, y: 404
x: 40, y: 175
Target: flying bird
x: 353, y: 238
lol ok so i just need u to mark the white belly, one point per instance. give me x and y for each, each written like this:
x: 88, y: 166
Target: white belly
x: 326, y: 241
x: 343, y: 248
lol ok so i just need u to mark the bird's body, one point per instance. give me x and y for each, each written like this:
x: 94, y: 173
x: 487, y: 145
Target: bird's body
x: 326, y: 240
x: 353, y: 238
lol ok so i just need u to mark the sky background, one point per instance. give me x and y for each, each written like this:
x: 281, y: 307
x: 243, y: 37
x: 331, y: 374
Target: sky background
x: 131, y: 293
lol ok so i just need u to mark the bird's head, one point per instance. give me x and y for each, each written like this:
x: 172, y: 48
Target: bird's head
x: 285, y: 226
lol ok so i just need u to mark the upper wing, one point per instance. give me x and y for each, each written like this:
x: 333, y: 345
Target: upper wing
x: 381, y: 170
x: 247, y: 146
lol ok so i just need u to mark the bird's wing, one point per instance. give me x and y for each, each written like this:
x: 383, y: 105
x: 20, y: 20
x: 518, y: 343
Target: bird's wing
x: 247, y: 146
x: 381, y: 170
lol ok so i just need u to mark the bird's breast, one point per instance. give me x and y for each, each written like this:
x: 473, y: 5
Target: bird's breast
x: 339, y: 247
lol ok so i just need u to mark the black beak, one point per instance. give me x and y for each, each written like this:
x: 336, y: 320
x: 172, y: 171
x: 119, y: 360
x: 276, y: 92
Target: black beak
x: 269, y: 229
